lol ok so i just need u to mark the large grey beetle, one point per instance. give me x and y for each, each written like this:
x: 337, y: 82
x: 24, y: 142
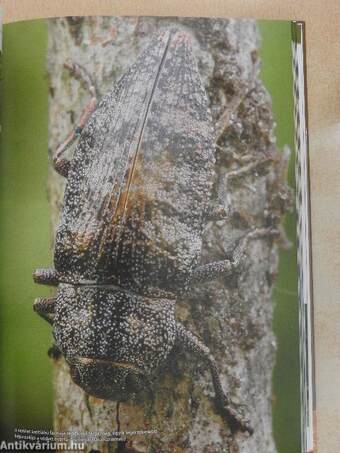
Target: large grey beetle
x: 129, y: 241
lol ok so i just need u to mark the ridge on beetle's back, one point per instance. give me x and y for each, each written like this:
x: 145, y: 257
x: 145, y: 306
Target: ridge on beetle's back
x: 141, y: 177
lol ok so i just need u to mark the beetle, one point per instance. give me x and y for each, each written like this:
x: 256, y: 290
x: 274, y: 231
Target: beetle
x: 137, y: 198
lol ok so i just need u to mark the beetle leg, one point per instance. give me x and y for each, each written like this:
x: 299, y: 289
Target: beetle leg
x: 46, y: 277
x: 44, y: 306
x: 61, y: 164
x: 216, y: 212
x: 210, y: 271
x: 54, y: 352
x: 249, y: 168
x: 191, y: 343
x: 227, y: 267
x: 224, y: 121
x: 237, y: 218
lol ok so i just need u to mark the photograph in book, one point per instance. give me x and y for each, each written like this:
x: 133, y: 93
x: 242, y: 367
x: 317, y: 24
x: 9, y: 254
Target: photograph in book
x: 148, y: 184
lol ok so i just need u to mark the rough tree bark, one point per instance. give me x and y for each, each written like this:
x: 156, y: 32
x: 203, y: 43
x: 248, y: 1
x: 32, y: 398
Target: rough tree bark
x: 233, y: 316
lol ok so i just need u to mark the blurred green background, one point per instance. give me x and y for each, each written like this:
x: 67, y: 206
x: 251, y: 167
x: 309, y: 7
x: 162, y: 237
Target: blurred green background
x: 25, y: 380
x: 277, y: 76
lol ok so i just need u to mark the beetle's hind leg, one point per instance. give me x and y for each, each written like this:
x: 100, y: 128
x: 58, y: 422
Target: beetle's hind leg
x: 46, y: 277
x: 60, y: 163
x: 190, y: 343
x: 225, y: 268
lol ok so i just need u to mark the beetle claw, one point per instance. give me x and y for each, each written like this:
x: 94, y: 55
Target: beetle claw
x: 236, y: 420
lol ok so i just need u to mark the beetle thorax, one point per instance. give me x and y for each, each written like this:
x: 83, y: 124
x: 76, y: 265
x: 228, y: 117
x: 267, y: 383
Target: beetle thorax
x: 112, y: 338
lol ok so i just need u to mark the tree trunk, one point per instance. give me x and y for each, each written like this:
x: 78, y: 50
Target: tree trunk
x: 233, y: 316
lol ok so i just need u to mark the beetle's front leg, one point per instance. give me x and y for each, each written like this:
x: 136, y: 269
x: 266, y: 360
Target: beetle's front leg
x: 61, y: 164
x: 46, y: 277
x: 45, y: 306
x: 187, y: 341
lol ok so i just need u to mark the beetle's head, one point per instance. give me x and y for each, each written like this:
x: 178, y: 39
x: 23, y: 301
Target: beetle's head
x: 112, y: 339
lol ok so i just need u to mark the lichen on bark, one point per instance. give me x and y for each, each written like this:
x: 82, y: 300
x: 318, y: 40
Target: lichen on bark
x: 233, y: 316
